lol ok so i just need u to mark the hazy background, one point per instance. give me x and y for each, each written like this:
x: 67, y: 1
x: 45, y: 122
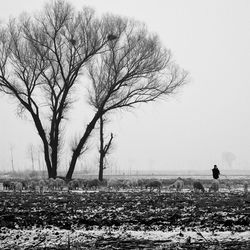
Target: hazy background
x: 191, y: 130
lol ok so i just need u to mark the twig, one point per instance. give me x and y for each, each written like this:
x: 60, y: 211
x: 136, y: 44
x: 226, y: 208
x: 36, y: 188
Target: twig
x: 200, y: 234
x: 38, y: 243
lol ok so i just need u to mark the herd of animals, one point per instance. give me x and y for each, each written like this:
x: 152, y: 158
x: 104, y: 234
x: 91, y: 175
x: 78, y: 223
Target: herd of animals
x: 59, y: 184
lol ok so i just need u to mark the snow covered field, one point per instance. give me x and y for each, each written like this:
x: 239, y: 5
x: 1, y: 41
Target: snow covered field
x: 92, y: 239
x: 125, y: 220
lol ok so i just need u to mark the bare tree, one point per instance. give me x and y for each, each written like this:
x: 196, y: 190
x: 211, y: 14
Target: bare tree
x: 12, y: 159
x: 229, y: 158
x: 41, y: 59
x: 38, y: 155
x: 104, y: 148
x: 31, y: 155
x: 135, y: 69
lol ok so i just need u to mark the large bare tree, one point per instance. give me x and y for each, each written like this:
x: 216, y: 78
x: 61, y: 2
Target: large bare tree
x: 42, y: 58
x: 135, y: 69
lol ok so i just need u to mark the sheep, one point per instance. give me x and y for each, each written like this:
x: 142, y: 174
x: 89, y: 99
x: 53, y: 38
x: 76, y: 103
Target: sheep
x: 154, y: 184
x: 113, y: 184
x: 7, y: 185
x: 59, y: 183
x: 25, y: 184
x: 32, y: 185
x: 198, y: 186
x: 178, y: 184
x: 215, y: 186
x: 131, y: 183
x: 51, y: 184
x: 18, y: 187
x: 41, y: 185
x: 93, y: 184
x: 83, y: 184
x: 141, y: 183
x: 116, y: 184
x: 74, y: 184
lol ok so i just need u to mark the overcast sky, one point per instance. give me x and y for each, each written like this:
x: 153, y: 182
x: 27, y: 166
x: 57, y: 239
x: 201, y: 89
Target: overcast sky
x: 191, y: 130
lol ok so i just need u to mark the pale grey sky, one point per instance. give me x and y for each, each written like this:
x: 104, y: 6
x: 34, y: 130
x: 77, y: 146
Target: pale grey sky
x: 191, y: 130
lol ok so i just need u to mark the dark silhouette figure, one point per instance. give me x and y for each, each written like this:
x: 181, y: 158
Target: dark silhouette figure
x: 216, y: 172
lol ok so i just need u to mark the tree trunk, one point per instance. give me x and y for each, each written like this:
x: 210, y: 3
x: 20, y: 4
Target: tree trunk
x: 82, y: 142
x: 42, y: 135
x: 54, y: 159
x: 101, y: 167
x: 53, y: 173
x: 101, y: 150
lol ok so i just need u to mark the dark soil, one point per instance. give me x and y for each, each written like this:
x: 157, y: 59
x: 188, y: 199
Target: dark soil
x: 139, y: 211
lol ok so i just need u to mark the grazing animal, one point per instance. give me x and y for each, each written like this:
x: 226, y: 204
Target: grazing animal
x: 41, y: 185
x: 154, y: 184
x: 25, y: 184
x: 141, y: 183
x: 131, y: 183
x: 93, y: 184
x: 115, y: 184
x: 228, y: 185
x: 198, y: 186
x: 59, y: 183
x: 74, y: 184
x: 7, y: 185
x: 178, y: 184
x: 18, y: 187
x: 32, y: 185
x: 215, y: 186
x: 51, y: 184
x: 83, y: 184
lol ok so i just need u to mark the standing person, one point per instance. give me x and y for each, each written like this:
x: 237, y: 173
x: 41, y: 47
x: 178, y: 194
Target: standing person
x: 216, y: 172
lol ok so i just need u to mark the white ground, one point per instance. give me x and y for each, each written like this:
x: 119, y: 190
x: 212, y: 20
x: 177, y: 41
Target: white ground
x: 54, y: 237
